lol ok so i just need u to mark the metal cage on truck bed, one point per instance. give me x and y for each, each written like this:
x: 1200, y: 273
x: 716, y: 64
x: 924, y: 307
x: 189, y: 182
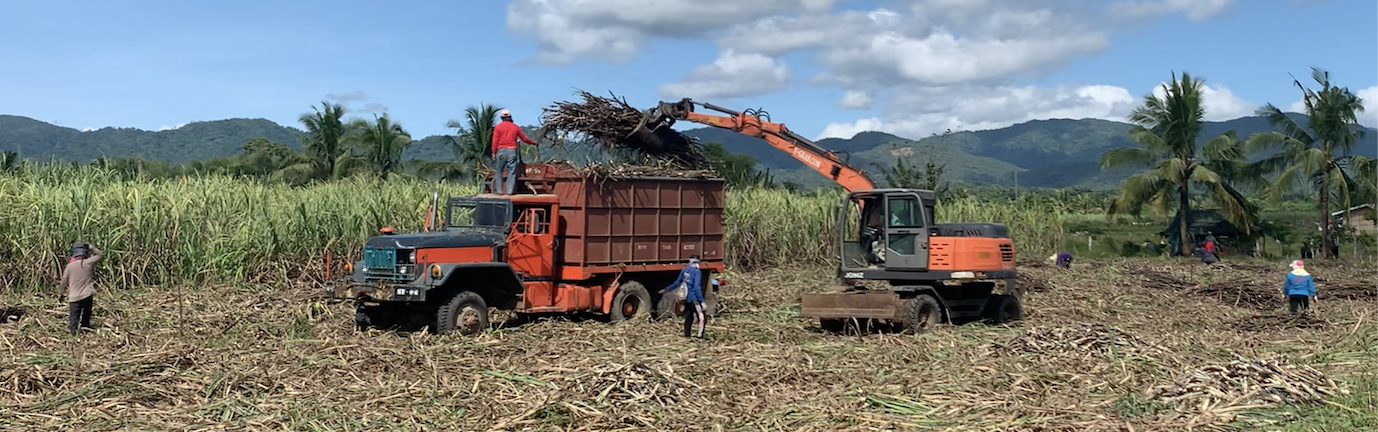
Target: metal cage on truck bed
x: 631, y: 220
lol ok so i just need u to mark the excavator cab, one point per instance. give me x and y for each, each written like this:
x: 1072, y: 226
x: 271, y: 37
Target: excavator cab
x: 886, y: 228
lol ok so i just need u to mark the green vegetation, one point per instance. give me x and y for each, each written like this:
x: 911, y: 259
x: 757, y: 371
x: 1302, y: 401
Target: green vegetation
x: 1166, y: 129
x: 219, y: 228
x: 1320, y: 154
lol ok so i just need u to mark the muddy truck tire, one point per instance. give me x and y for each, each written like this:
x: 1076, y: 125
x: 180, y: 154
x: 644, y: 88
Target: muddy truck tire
x: 465, y: 312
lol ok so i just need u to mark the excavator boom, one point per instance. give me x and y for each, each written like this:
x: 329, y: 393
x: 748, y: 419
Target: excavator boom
x: 822, y: 160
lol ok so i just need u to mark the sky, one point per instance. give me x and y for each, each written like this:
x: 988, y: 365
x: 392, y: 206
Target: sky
x: 825, y: 68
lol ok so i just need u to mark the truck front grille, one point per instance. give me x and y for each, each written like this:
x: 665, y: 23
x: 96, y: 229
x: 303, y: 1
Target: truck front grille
x: 382, y: 264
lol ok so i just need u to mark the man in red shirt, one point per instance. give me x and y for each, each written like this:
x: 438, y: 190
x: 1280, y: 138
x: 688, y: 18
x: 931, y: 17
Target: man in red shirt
x: 505, y: 154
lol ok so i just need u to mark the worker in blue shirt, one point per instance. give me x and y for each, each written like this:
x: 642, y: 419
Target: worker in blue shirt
x: 1299, y: 287
x: 691, y: 281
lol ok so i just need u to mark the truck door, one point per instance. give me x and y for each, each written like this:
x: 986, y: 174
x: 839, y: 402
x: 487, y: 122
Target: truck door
x: 531, y: 249
x: 906, y: 232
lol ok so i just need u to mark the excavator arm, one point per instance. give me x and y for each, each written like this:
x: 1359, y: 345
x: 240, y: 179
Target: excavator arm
x: 824, y: 161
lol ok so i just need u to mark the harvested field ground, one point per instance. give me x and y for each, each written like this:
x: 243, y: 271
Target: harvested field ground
x: 1113, y: 345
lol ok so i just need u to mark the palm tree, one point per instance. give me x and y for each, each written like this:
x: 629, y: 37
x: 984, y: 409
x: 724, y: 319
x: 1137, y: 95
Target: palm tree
x: 1315, y: 155
x: 1166, y: 129
x: 382, y: 142
x: 470, y: 143
x: 323, y: 143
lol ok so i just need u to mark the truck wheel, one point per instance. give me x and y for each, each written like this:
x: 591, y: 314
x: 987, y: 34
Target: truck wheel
x: 669, y: 306
x: 465, y: 312
x: 631, y: 302
x: 1007, y: 309
x: 920, y: 314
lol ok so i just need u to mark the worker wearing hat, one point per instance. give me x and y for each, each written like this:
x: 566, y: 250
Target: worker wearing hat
x: 691, y: 281
x: 78, y: 283
x: 1299, y: 288
x: 505, y: 155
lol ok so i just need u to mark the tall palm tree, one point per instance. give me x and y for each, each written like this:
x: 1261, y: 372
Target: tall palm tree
x: 382, y: 142
x: 1315, y: 155
x: 323, y: 143
x: 1166, y: 129
x: 470, y: 143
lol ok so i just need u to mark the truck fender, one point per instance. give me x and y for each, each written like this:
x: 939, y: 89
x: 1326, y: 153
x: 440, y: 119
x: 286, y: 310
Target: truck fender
x: 608, y: 295
x: 497, y: 275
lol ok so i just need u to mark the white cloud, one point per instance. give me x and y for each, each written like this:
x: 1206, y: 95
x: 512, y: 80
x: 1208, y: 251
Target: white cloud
x: 856, y: 100
x: 166, y: 127
x: 1221, y: 104
x: 940, y: 64
x: 1370, y: 115
x: 1195, y: 10
x: 731, y: 75
x: 919, y: 112
x: 568, y: 30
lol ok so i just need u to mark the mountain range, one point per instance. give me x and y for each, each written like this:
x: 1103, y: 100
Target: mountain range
x: 1057, y: 153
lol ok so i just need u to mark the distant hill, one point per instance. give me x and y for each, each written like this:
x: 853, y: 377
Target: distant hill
x: 1043, y: 153
x: 193, y: 141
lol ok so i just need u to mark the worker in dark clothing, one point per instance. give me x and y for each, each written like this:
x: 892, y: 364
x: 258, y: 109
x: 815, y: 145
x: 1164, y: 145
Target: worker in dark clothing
x: 78, y: 283
x: 505, y: 155
x: 691, y: 281
x: 1299, y: 287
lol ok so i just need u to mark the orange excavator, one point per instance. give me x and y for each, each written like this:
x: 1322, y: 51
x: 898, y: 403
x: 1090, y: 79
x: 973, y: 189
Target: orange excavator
x: 898, y: 268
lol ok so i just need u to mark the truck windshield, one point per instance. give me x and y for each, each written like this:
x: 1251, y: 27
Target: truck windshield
x: 477, y: 214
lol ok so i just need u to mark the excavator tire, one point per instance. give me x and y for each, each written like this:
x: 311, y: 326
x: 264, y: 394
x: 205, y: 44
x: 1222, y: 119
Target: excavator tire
x: 1004, y: 309
x: 920, y: 314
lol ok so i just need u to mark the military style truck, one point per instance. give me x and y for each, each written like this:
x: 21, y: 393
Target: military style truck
x: 566, y: 241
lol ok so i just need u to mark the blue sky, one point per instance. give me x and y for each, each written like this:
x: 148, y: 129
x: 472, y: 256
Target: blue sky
x: 824, y: 67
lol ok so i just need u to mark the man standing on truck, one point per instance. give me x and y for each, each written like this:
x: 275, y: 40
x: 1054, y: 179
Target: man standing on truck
x: 505, y: 153
x: 691, y: 281
x: 78, y: 283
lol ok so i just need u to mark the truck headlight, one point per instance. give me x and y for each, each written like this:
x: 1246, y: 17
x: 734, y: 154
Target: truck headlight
x: 411, y: 257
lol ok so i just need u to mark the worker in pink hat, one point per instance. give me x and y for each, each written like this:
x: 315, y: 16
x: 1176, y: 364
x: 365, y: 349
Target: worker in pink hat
x: 1299, y: 288
x: 505, y: 155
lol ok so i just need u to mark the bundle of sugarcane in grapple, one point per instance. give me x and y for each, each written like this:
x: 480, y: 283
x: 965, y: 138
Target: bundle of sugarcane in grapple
x: 615, y: 124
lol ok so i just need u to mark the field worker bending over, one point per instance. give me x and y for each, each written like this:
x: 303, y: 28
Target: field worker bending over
x: 505, y: 154
x: 1299, y: 288
x: 78, y: 282
x: 691, y: 281
x: 1061, y: 260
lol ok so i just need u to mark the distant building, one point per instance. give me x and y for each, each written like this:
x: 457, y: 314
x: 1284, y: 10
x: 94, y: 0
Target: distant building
x: 1361, y: 217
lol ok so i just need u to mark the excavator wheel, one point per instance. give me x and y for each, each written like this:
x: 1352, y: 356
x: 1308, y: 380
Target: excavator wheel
x: 1003, y: 309
x: 920, y: 314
